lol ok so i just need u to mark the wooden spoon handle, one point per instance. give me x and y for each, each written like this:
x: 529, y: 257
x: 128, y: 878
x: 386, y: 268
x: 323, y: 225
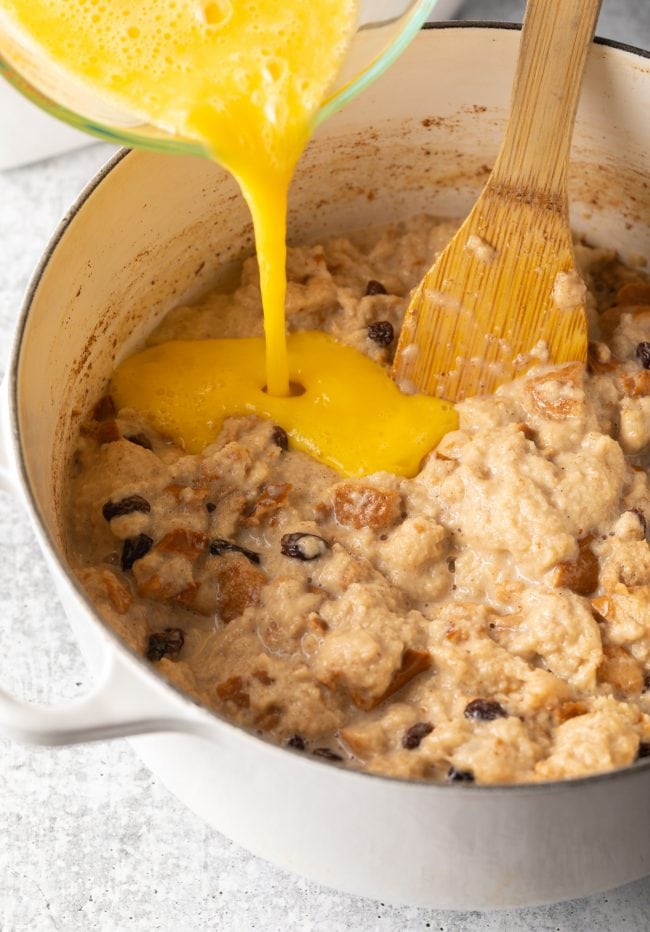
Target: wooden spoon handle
x: 555, y: 41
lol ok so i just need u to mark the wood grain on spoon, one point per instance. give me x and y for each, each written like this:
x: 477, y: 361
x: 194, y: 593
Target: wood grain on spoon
x: 504, y: 294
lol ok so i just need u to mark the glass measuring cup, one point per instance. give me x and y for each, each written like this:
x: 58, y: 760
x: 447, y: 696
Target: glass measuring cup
x: 384, y: 29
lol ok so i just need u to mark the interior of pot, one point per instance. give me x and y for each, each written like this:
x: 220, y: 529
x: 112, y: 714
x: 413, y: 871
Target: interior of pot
x: 157, y: 230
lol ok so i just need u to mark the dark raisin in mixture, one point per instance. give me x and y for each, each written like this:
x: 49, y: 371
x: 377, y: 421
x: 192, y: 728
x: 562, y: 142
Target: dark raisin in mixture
x: 218, y: 546
x: 646, y: 683
x: 303, y: 546
x: 643, y: 354
x: 644, y: 750
x: 484, y: 710
x: 326, y: 754
x: 375, y: 287
x: 280, y: 438
x: 297, y: 742
x: 126, y: 506
x: 460, y: 776
x: 415, y: 734
x: 167, y: 643
x: 381, y: 332
x: 140, y: 440
x: 134, y: 549
x: 210, y: 507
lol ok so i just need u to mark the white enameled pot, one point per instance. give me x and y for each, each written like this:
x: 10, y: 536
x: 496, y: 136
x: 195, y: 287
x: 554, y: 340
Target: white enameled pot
x: 149, y: 232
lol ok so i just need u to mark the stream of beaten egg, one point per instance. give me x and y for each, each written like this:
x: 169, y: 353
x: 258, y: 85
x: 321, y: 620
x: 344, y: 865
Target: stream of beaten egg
x: 246, y: 79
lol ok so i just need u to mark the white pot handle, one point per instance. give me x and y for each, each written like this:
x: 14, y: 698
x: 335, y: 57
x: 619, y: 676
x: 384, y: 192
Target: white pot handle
x: 104, y: 713
x: 107, y: 711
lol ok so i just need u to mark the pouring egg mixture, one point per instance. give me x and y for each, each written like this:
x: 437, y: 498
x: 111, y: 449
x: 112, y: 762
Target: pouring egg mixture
x: 246, y: 80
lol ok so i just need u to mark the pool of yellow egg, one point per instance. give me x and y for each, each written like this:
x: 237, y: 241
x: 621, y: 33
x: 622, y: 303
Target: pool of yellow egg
x: 245, y: 78
x: 351, y: 415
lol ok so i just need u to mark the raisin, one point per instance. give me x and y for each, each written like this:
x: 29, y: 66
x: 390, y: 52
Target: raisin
x: 134, y: 549
x: 140, y: 440
x: 375, y: 287
x: 280, y: 438
x: 484, y: 710
x: 126, y: 506
x: 167, y: 643
x: 644, y: 750
x: 297, y: 742
x: 415, y: 734
x: 451, y: 564
x: 643, y: 354
x: 460, y: 776
x: 210, y: 507
x: 218, y: 546
x: 326, y: 754
x: 646, y: 683
x: 381, y: 332
x: 303, y: 546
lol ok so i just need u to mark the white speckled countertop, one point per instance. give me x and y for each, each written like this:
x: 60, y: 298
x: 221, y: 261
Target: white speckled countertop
x: 89, y: 840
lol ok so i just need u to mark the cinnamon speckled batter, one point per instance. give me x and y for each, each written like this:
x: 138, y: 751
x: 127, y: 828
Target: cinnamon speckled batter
x: 487, y: 620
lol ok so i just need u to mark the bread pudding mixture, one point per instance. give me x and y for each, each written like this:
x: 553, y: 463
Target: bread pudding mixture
x: 488, y: 619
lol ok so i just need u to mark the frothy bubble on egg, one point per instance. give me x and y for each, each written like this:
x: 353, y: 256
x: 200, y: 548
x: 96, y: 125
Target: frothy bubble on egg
x: 214, y: 12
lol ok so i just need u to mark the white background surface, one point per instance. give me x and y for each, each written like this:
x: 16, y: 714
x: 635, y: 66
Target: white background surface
x: 88, y: 839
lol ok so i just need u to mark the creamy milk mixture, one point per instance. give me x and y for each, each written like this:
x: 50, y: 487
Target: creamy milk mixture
x: 486, y: 619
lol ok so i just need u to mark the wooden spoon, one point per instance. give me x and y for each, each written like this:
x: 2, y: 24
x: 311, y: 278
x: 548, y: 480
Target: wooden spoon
x: 504, y: 293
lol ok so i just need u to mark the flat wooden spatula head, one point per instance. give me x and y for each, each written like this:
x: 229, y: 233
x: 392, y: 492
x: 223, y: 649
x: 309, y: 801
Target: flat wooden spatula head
x: 505, y: 295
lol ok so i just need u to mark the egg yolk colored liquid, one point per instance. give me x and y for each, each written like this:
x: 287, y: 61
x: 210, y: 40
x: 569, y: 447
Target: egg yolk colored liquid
x: 350, y: 416
x: 246, y: 79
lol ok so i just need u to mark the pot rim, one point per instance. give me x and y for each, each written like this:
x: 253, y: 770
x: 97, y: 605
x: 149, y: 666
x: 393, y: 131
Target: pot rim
x: 47, y: 543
